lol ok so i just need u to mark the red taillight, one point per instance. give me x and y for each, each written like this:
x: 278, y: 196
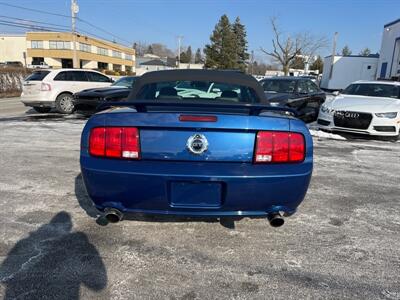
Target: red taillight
x: 97, y: 141
x: 279, y: 147
x: 116, y: 142
x: 189, y: 118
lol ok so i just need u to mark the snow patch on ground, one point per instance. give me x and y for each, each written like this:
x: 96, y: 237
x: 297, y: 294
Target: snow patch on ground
x: 327, y: 135
x: 316, y: 132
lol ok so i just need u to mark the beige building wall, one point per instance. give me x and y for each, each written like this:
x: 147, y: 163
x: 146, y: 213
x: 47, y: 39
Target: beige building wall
x: 12, y: 48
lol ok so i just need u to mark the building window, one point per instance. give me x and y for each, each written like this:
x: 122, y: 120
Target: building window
x: 59, y: 45
x: 102, y: 51
x: 37, y: 44
x: 117, y: 54
x: 85, y: 47
x: 117, y: 67
x: 128, y: 56
x: 102, y: 65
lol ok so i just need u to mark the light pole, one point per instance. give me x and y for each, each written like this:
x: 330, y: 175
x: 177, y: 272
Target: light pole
x: 180, y: 37
x: 74, y: 11
x: 333, y: 54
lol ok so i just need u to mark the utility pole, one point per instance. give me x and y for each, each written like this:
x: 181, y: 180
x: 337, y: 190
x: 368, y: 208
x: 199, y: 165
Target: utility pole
x: 252, y: 62
x: 180, y: 37
x: 74, y: 11
x: 333, y: 54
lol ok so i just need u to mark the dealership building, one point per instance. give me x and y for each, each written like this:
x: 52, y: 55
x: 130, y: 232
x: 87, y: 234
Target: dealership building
x: 389, y: 60
x: 55, y: 49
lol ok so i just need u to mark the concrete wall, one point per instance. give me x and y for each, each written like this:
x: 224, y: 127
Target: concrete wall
x: 390, y: 51
x: 12, y: 48
x: 347, y: 69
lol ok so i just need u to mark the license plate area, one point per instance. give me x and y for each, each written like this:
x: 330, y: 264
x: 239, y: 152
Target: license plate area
x: 195, y: 194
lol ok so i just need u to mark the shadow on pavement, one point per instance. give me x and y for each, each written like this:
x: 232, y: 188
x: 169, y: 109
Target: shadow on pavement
x: 52, y: 263
x: 86, y: 203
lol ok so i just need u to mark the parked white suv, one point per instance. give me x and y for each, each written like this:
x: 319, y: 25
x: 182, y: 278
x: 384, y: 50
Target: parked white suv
x: 45, y: 89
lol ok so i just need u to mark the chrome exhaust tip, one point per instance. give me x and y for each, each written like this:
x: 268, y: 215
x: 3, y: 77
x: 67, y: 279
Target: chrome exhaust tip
x: 275, y: 220
x: 113, y: 215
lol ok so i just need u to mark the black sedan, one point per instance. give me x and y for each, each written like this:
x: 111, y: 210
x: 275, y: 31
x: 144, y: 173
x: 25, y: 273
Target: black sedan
x: 87, y: 101
x: 298, y: 93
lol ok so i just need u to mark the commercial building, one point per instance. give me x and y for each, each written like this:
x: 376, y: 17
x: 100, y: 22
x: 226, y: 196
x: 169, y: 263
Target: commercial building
x: 55, y: 49
x: 389, y: 61
x: 340, y: 71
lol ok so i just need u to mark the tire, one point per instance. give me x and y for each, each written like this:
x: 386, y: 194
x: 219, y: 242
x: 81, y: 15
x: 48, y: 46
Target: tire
x: 64, y: 103
x: 42, y: 110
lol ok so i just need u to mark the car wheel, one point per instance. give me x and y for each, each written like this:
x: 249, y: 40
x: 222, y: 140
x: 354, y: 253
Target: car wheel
x: 64, y: 103
x: 42, y: 110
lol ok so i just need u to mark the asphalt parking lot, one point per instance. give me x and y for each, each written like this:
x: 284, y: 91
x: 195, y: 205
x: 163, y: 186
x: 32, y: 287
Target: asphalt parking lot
x: 343, y: 243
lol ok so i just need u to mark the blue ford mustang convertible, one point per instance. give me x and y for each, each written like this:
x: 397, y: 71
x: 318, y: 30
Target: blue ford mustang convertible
x: 196, y: 143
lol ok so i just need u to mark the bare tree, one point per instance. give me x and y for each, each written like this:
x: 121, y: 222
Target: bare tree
x: 140, y: 48
x: 286, y: 48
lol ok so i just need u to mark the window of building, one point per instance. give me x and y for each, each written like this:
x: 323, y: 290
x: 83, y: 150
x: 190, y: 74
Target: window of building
x: 36, y: 61
x: 37, y: 44
x: 128, y: 69
x: 117, y: 67
x: 117, y: 54
x: 85, y: 47
x: 128, y: 56
x: 102, y: 51
x: 102, y: 65
x: 59, y: 45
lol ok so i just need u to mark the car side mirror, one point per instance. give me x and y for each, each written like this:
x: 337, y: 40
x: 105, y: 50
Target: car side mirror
x: 112, y: 80
x: 335, y: 93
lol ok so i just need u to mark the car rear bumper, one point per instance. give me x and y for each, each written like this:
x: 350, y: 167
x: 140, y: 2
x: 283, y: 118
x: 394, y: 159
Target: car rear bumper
x: 243, y: 189
x: 41, y: 99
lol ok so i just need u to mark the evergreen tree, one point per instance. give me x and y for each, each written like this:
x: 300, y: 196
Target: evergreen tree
x: 346, y: 51
x: 184, y: 58
x: 365, y: 52
x: 318, y: 64
x: 149, y: 50
x: 241, y: 44
x: 197, y: 57
x: 189, y: 54
x: 221, y: 52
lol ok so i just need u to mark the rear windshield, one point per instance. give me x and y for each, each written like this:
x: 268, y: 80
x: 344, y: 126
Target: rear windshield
x: 279, y: 86
x: 202, y: 90
x: 37, y: 76
x: 373, y: 90
x: 125, y: 82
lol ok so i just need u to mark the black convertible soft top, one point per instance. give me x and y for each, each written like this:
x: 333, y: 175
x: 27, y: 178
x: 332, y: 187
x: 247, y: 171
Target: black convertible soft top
x: 221, y: 76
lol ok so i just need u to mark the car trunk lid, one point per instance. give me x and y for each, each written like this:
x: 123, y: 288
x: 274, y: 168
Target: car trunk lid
x: 230, y: 138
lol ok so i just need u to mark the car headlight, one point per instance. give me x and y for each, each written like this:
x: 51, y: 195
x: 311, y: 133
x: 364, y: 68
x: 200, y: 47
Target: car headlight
x: 389, y: 115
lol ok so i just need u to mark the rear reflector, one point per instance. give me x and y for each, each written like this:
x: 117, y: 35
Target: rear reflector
x: 115, y: 142
x: 187, y: 118
x: 279, y: 147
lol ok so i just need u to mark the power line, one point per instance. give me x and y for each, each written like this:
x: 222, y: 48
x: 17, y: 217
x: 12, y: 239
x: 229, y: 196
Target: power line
x: 103, y: 30
x: 66, y: 16
x: 33, y: 21
x: 27, y: 26
x: 35, y: 10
